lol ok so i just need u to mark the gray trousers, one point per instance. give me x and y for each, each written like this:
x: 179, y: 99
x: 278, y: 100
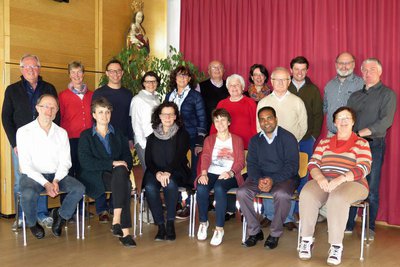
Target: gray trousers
x: 282, y: 193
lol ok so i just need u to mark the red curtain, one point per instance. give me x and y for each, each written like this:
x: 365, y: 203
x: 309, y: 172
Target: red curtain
x: 272, y: 32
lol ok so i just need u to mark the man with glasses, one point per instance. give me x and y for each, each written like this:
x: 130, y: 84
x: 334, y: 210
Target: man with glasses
x: 339, y: 89
x: 375, y: 105
x: 18, y: 110
x: 213, y: 89
x: 120, y: 99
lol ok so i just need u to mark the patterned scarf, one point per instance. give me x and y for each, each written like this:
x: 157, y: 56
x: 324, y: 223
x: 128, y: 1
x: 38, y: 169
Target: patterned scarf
x: 159, y: 133
x: 76, y: 91
x: 257, y: 96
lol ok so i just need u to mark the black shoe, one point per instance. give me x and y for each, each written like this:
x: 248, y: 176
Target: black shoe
x: 253, y: 239
x: 229, y: 216
x: 291, y: 226
x: 161, y: 233
x: 265, y: 222
x: 170, y: 235
x: 271, y: 242
x: 58, y: 223
x: 183, y: 214
x: 117, y: 230
x: 37, y: 230
x: 127, y: 241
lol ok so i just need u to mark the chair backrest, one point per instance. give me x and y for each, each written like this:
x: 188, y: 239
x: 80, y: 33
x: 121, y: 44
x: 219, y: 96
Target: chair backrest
x: 245, y: 162
x: 189, y: 157
x: 303, y: 162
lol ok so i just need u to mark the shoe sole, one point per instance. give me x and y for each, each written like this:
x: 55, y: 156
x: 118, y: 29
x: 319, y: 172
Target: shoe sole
x: 182, y: 218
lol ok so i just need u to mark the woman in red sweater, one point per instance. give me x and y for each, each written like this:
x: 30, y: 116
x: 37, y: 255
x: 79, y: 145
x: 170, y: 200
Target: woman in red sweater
x: 222, y: 161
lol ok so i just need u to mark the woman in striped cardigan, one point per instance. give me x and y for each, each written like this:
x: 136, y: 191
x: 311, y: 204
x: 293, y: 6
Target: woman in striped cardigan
x: 338, y: 168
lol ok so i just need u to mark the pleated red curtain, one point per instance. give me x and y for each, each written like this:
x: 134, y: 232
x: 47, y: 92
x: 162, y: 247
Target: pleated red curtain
x: 272, y: 32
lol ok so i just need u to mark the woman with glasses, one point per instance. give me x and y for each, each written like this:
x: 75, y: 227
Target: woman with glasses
x: 339, y: 167
x: 258, y: 79
x: 167, y: 166
x: 142, y: 106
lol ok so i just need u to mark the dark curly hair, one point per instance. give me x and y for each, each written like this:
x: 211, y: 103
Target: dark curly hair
x: 263, y: 70
x: 183, y: 70
x: 151, y: 74
x: 155, y: 117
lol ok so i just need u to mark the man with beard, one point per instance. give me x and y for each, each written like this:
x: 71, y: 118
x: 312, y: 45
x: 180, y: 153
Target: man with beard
x: 339, y: 89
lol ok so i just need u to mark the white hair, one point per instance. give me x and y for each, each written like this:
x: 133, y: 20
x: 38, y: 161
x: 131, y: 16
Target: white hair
x: 21, y: 64
x: 235, y: 77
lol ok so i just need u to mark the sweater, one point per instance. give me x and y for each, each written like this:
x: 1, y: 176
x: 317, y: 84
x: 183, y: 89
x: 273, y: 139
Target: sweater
x: 238, y: 156
x: 278, y: 160
x: 17, y: 110
x: 120, y: 99
x: 243, y: 114
x: 95, y: 160
x: 290, y: 111
x: 76, y: 115
x: 311, y: 97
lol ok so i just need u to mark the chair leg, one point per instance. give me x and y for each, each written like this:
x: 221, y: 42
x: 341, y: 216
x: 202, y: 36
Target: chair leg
x: 298, y: 236
x: 362, y: 234
x: 24, y: 227
x: 77, y: 220
x: 83, y: 218
x: 141, y: 213
x: 244, y: 229
x: 367, y: 207
x: 17, y: 208
x: 134, y: 214
x: 192, y: 218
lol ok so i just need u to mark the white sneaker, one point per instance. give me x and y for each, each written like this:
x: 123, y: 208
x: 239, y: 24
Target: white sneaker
x: 371, y: 235
x: 202, y: 232
x: 46, y: 222
x: 216, y: 240
x: 305, y: 249
x: 335, y: 255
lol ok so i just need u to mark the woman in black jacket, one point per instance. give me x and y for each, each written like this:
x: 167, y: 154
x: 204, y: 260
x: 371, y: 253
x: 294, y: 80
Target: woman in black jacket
x: 106, y: 162
x: 167, y: 166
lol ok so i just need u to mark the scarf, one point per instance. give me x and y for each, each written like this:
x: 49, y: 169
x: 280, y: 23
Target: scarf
x: 257, y: 96
x: 159, y: 133
x: 341, y: 146
x: 150, y: 99
x: 76, y: 91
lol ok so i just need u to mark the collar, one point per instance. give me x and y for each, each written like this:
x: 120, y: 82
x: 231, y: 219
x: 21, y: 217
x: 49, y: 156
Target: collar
x: 274, y: 134
x: 282, y: 97
x: 372, y: 88
x: 217, y: 84
x: 297, y: 85
x: 110, y: 129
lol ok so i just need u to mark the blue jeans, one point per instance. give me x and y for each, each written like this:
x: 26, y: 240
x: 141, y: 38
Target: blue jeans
x: 378, y: 152
x: 42, y: 201
x: 102, y: 204
x: 153, y: 186
x: 30, y: 191
x: 221, y: 187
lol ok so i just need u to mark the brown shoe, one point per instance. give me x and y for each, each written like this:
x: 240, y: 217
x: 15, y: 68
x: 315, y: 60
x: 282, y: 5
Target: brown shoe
x: 265, y: 222
x: 103, y: 217
x: 291, y: 226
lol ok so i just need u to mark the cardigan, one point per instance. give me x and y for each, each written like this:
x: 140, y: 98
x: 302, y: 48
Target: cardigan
x: 76, y: 115
x: 238, y: 156
x: 17, y: 109
x: 94, y: 159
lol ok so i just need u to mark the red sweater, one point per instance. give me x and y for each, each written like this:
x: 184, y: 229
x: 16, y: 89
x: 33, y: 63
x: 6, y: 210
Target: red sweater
x: 75, y: 113
x: 238, y: 156
x: 243, y: 114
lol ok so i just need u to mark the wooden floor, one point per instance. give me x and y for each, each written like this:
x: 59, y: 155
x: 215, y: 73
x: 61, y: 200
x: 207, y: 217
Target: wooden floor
x: 100, y: 248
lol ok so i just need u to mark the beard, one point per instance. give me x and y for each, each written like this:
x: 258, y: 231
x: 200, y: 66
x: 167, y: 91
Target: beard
x: 344, y: 74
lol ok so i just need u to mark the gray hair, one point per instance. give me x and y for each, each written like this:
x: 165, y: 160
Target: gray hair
x: 280, y: 69
x: 235, y: 77
x: 75, y: 65
x: 370, y: 60
x: 21, y: 64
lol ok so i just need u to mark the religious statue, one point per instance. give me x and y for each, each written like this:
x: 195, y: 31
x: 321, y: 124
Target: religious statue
x: 137, y: 35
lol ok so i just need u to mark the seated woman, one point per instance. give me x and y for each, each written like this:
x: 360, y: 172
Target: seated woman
x: 222, y: 161
x: 106, y: 162
x: 167, y: 166
x: 338, y: 167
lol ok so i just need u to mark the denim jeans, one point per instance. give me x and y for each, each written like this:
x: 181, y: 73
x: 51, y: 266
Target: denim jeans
x: 42, y: 201
x: 221, y: 187
x: 30, y: 191
x: 377, y: 146
x: 305, y: 146
x: 152, y: 187
x: 103, y: 204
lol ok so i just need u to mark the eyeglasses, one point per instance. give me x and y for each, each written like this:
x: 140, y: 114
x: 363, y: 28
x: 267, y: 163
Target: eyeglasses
x: 216, y: 67
x: 345, y: 63
x: 182, y: 75
x: 150, y: 82
x: 167, y: 115
x: 114, y: 72
x: 343, y: 118
x: 280, y: 80
x: 52, y: 108
x: 30, y: 67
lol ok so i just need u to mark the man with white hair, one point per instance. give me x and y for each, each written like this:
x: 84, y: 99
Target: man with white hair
x: 375, y: 105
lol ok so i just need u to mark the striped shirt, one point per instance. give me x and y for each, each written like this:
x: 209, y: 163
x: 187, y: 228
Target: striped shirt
x: 335, y: 157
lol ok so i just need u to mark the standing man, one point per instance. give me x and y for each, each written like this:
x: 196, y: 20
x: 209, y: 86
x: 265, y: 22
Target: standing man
x: 45, y: 160
x: 120, y: 99
x: 19, y: 109
x: 272, y: 166
x: 375, y: 106
x: 339, y: 89
x: 213, y: 89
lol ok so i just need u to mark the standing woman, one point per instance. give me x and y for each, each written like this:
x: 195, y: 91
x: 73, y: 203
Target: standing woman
x: 167, y: 166
x: 106, y: 162
x: 75, y: 111
x: 191, y: 107
x: 258, y: 80
x: 142, y: 106
x: 222, y: 161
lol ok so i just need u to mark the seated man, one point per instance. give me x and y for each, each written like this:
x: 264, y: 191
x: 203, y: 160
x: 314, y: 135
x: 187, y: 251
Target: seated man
x: 272, y: 166
x: 44, y: 160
